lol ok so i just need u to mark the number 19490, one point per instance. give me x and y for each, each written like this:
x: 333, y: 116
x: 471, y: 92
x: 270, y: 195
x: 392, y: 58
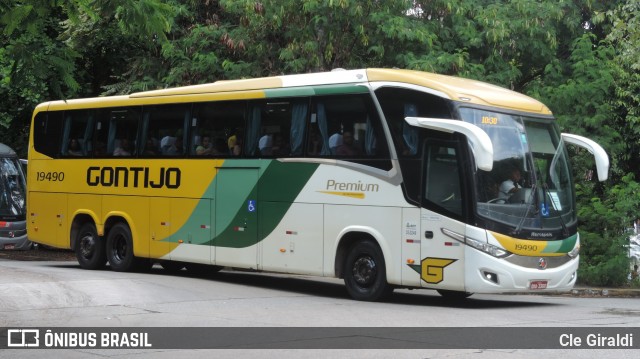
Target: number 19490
x: 50, y: 176
x: 526, y: 247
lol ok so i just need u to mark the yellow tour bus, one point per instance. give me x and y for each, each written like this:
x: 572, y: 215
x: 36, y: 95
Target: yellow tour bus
x: 387, y: 178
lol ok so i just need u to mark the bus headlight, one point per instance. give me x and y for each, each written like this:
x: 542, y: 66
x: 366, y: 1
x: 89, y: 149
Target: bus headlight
x: 482, y: 246
x: 487, y: 248
x: 574, y: 252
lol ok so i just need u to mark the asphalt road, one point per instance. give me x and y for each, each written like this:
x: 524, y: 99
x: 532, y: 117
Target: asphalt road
x: 60, y: 294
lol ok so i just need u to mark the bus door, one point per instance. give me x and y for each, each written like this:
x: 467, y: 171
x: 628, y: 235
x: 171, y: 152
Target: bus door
x: 442, y: 230
x: 236, y: 217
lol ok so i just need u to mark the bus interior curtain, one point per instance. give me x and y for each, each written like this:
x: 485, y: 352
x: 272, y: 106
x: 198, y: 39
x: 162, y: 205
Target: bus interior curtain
x: 253, y: 133
x: 298, y: 122
x: 111, y: 140
x: 370, y: 138
x: 410, y: 134
x: 324, y: 131
x: 145, y: 131
x: 185, y: 131
x: 88, y: 132
x: 66, y: 134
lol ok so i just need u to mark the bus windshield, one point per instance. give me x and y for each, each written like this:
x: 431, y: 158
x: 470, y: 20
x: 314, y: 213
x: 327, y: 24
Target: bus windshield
x: 530, y: 186
x: 12, y: 190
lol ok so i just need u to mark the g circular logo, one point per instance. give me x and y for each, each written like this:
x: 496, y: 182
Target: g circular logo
x: 542, y: 263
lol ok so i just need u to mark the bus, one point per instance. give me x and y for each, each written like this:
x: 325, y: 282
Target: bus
x: 13, y: 224
x: 386, y: 178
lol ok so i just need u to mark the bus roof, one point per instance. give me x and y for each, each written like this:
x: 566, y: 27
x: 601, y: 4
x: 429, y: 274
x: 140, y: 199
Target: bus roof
x: 455, y: 88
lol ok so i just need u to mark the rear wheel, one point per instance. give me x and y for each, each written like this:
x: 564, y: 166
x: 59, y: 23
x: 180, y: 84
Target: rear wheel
x: 365, y: 273
x: 120, y: 248
x: 89, y: 248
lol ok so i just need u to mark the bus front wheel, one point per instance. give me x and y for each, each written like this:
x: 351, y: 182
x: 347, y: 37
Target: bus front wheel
x: 365, y: 273
x: 90, y: 250
x: 120, y: 248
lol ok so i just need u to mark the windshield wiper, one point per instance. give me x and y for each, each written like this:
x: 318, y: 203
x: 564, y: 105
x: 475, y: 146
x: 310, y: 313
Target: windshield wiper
x: 526, y: 214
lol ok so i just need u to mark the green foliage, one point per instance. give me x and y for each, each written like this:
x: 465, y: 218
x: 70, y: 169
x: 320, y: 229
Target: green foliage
x: 603, y: 234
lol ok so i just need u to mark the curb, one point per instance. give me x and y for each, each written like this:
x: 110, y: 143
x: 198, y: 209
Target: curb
x: 605, y: 292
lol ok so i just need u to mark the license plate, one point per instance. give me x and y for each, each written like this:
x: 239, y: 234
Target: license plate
x: 538, y: 284
x: 9, y: 246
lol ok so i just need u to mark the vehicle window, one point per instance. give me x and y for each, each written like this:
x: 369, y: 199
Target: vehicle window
x: 217, y: 128
x: 77, y: 133
x: 346, y: 127
x: 116, y: 132
x: 164, y: 130
x: 442, y: 189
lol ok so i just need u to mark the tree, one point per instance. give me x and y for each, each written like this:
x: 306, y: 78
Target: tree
x: 40, y: 61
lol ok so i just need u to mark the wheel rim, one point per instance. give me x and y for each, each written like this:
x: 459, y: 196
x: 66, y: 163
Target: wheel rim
x: 364, y: 271
x: 120, y: 248
x: 87, y: 246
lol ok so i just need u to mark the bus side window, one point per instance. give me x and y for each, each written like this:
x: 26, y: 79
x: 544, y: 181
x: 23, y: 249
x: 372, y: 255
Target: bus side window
x: 398, y: 103
x: 47, y: 133
x: 77, y: 133
x: 116, y: 131
x: 223, y: 122
x: 276, y: 128
x: 346, y: 127
x: 164, y: 130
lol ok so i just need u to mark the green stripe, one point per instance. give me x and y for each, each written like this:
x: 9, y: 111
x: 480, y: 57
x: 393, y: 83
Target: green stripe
x: 562, y: 246
x: 315, y: 90
x: 279, y: 183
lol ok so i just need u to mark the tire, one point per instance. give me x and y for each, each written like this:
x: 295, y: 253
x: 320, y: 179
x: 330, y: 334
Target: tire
x: 365, y: 273
x: 454, y: 295
x: 120, y: 248
x: 89, y: 248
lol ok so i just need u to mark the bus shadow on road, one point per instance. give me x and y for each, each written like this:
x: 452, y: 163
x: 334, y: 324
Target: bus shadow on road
x: 317, y: 286
x: 321, y: 288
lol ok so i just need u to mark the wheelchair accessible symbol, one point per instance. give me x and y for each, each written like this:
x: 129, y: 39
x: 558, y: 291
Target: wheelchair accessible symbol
x: 251, y: 205
x: 544, y: 210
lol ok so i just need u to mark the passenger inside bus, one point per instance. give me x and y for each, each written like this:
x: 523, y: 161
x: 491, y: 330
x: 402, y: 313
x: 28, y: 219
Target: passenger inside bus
x: 150, y: 148
x: 347, y: 148
x: 74, y: 148
x: 265, y: 145
x: 205, y: 148
x: 124, y: 149
x: 176, y: 148
x: 334, y: 142
x: 511, y: 185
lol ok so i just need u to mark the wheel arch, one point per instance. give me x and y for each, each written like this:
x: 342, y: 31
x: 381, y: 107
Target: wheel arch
x: 352, y: 235
x: 112, y: 218
x: 80, y: 219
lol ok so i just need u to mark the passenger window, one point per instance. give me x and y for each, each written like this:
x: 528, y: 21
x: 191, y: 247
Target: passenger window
x: 399, y: 103
x: 164, y: 130
x: 116, y: 132
x: 77, y: 134
x: 217, y: 128
x: 47, y: 132
x: 276, y: 128
x: 346, y: 127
